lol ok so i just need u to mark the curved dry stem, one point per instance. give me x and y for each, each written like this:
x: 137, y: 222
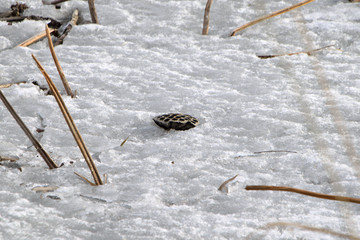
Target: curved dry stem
x: 206, y: 18
x: 223, y: 186
x: 270, y: 16
x: 304, y: 192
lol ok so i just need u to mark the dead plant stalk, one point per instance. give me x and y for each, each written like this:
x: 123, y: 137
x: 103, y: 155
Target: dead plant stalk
x: 51, y: 164
x: 35, y: 38
x: 270, y: 16
x: 295, y: 53
x: 58, y: 66
x: 207, y: 18
x: 72, y: 126
x: 304, y: 192
x: 92, y: 9
x: 6, y: 85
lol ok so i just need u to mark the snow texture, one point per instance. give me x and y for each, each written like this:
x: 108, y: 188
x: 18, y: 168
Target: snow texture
x: 148, y: 58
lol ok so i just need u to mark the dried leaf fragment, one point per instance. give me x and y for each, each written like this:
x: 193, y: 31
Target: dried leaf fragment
x: 223, y: 188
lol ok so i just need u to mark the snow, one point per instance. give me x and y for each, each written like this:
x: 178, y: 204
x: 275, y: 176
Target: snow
x: 147, y: 58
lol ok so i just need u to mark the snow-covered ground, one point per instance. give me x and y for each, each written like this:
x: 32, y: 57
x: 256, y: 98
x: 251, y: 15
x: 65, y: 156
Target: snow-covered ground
x: 147, y: 58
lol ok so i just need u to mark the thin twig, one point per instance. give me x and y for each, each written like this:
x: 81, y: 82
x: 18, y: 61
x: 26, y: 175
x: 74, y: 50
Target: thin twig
x: 304, y: 192
x: 45, y: 189
x: 310, y: 228
x: 270, y: 16
x: 59, y: 68
x: 35, y: 38
x: 72, y: 126
x: 6, y: 85
x: 94, y: 199
x: 206, y: 18
x: 8, y: 159
x: 85, y: 179
x: 92, y: 9
x: 255, y: 154
x: 122, y: 144
x: 35, y: 142
x: 290, y: 54
x: 223, y: 187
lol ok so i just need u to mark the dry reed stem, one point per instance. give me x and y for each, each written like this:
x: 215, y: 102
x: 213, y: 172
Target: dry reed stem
x: 6, y: 85
x: 122, y: 144
x: 34, y: 38
x: 8, y: 159
x: 223, y: 187
x: 290, y: 54
x: 71, y: 124
x: 45, y: 189
x: 206, y: 18
x: 59, y: 68
x: 270, y: 16
x: 310, y: 228
x: 85, y: 179
x: 304, y: 192
x: 51, y: 164
x: 92, y: 9
x: 105, y: 178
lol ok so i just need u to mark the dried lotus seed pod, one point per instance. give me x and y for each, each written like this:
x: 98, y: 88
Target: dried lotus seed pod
x: 176, y: 121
